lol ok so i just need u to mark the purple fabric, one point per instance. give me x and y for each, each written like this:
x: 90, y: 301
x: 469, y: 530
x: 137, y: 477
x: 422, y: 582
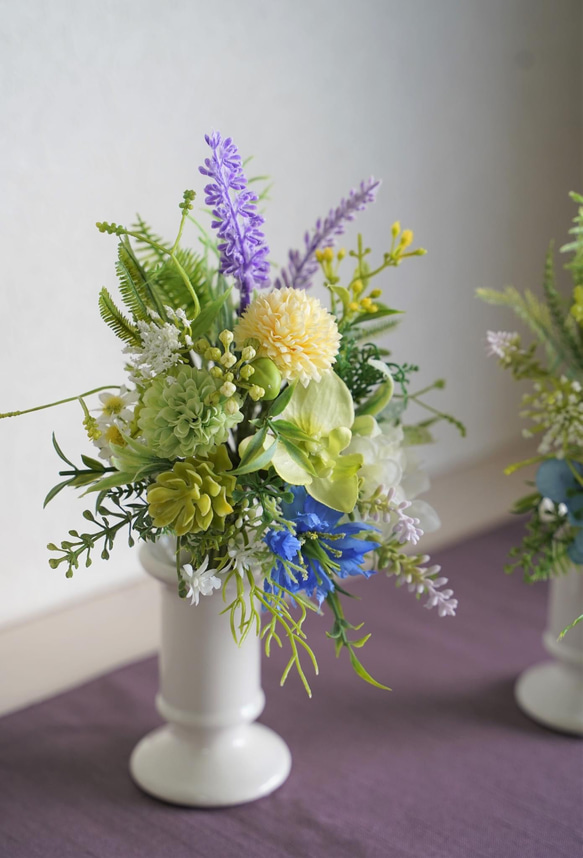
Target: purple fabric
x: 445, y: 766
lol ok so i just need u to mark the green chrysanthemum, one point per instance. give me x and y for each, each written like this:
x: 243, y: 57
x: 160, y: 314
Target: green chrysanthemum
x: 193, y: 495
x: 177, y: 420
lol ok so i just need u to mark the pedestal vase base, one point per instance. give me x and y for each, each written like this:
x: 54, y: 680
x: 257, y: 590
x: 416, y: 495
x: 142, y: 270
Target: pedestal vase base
x: 552, y: 694
x: 202, y: 768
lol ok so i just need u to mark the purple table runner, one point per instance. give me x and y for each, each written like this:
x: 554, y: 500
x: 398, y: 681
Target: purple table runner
x: 445, y: 766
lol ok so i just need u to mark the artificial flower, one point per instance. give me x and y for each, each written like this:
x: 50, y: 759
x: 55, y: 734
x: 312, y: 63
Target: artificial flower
x: 193, y: 495
x: 242, y: 248
x: 202, y: 581
x: 323, y: 547
x: 323, y: 412
x: 177, y: 418
x: 294, y: 330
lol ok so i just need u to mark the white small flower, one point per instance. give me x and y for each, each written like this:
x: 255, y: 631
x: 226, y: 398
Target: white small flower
x: 161, y: 346
x: 501, y: 343
x: 116, y: 406
x: 245, y: 556
x: 202, y: 581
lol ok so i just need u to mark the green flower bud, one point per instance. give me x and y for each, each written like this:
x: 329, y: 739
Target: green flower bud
x: 226, y: 337
x: 267, y: 376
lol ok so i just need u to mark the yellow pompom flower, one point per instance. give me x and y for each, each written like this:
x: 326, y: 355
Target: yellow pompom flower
x: 294, y: 330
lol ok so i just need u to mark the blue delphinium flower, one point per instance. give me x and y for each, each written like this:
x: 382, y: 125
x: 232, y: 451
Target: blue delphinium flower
x: 243, y: 249
x: 559, y: 480
x: 321, y: 548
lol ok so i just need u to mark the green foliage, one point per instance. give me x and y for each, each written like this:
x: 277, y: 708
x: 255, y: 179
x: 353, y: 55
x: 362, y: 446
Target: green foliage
x: 533, y: 312
x: 543, y: 550
x: 76, y: 477
x: 339, y: 634
x: 245, y: 611
x: 135, y: 290
x: 167, y: 280
x: 126, y: 510
x: 575, y: 266
x: 419, y: 433
x: 354, y: 369
x: 116, y: 320
x: 566, y: 329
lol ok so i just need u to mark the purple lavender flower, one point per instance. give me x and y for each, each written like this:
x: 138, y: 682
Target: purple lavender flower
x: 301, y: 268
x: 243, y: 249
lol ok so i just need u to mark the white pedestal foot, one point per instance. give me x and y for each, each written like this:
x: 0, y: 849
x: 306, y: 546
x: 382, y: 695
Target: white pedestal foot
x: 552, y: 694
x: 202, y: 769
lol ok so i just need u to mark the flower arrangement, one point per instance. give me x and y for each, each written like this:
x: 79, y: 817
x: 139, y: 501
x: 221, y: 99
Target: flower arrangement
x: 263, y: 433
x: 553, y: 542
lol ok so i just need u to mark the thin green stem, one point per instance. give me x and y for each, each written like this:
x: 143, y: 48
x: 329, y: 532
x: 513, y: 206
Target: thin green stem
x: 60, y: 401
x: 172, y: 255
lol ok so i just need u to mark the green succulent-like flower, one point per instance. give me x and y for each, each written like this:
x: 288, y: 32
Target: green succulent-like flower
x: 177, y: 418
x: 193, y: 495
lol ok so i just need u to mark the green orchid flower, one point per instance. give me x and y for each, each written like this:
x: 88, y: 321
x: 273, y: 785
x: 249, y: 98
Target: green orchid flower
x: 313, y: 431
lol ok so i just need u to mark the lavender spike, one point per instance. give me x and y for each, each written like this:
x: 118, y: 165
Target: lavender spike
x: 301, y: 268
x: 243, y: 249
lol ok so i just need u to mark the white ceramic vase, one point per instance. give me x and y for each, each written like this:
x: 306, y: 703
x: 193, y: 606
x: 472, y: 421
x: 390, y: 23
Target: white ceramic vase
x: 210, y: 753
x: 552, y: 692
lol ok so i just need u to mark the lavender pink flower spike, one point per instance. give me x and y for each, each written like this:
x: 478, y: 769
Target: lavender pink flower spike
x: 302, y: 267
x: 242, y: 247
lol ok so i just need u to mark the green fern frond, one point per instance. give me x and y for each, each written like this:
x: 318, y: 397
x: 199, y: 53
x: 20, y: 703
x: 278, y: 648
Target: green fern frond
x: 132, y: 292
x: 374, y: 330
x: 135, y: 287
x: 568, y: 337
x: 116, y: 320
x: 575, y: 266
x: 532, y: 312
x: 168, y: 282
x: 146, y: 238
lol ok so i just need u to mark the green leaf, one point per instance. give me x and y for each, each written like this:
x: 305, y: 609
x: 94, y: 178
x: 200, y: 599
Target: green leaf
x: 418, y: 434
x: 364, y: 674
x: 254, y: 446
x: 83, y: 478
x: 119, y: 478
x: 517, y: 465
x: 378, y: 400
x: 570, y: 626
x: 60, y: 453
x: 343, y: 294
x: 94, y: 464
x: 206, y: 318
x: 282, y: 401
x: 290, y: 430
x: 372, y: 317
x: 360, y: 642
x: 257, y: 462
x: 298, y: 456
x: 55, y: 491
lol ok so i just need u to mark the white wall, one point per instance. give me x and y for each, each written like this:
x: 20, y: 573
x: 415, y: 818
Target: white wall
x: 469, y: 110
